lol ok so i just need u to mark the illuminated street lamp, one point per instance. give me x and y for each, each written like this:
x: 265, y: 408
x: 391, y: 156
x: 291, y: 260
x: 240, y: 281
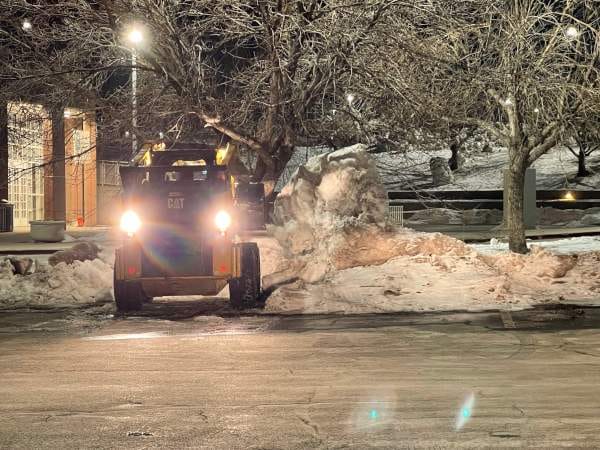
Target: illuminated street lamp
x: 26, y: 25
x: 572, y: 32
x: 135, y: 36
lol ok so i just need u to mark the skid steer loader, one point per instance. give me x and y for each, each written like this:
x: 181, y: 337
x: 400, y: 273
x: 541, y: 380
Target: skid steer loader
x: 181, y: 225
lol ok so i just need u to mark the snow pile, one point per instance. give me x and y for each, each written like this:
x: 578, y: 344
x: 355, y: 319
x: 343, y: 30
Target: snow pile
x: 327, y: 204
x: 63, y: 285
x: 436, y: 273
x: 336, y: 245
x: 538, y: 263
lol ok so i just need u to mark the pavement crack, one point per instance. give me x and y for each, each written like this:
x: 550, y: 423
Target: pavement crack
x: 313, y: 426
x: 504, y: 434
x: 139, y: 433
x: 519, y: 409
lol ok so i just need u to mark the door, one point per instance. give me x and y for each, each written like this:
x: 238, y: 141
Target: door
x: 25, y: 158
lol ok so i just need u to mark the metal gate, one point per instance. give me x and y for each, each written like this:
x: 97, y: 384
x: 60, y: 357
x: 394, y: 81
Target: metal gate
x: 109, y: 192
x: 25, y: 158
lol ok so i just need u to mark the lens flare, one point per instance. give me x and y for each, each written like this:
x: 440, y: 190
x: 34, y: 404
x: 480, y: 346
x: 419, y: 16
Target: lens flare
x: 223, y: 221
x: 466, y: 412
x: 130, y: 222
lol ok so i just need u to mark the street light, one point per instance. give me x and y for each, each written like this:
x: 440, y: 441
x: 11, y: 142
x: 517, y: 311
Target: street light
x: 26, y: 25
x: 572, y: 32
x: 135, y: 36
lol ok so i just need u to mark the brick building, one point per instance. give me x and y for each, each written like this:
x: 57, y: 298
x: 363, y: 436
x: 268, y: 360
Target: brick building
x: 48, y: 163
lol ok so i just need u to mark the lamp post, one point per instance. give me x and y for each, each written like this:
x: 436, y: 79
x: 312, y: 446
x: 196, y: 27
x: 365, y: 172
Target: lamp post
x: 135, y: 37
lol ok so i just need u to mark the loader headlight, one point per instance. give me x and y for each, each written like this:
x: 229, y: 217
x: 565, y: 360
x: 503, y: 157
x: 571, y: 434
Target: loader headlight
x: 223, y: 221
x: 130, y: 222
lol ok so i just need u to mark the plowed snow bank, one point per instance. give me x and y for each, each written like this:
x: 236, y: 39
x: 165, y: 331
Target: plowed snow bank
x: 66, y: 285
x: 332, y: 204
x: 334, y: 238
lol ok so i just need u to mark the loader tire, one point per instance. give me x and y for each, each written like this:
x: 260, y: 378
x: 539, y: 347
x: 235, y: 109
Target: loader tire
x: 245, y: 290
x: 129, y: 296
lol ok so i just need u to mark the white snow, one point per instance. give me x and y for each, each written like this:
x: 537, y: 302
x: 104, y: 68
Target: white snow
x: 363, y: 265
x: 435, y: 272
x: 327, y: 204
x: 482, y: 171
x: 64, y: 285
x: 408, y: 167
x: 570, y: 246
x: 331, y: 236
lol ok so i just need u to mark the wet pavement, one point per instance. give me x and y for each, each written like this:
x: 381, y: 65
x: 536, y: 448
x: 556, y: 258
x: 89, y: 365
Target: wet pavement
x: 189, y: 374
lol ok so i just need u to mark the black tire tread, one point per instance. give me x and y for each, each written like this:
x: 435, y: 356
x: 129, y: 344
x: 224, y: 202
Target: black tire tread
x: 245, y: 290
x: 129, y: 296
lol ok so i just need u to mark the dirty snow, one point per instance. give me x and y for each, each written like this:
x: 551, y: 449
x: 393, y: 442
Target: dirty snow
x: 331, y: 206
x: 332, y: 251
x: 434, y: 272
x: 347, y: 265
x: 64, y: 285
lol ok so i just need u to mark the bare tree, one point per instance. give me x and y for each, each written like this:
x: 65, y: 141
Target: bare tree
x: 587, y: 140
x: 523, y: 71
x: 261, y: 72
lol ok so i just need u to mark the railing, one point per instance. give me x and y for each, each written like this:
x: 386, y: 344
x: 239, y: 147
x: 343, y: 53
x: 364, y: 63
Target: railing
x: 396, y: 214
x: 492, y: 199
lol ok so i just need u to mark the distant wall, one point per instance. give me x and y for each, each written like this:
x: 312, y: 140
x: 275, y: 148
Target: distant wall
x: 109, y: 193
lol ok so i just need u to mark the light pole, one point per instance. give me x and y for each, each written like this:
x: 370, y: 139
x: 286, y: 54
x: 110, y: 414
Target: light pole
x: 135, y: 38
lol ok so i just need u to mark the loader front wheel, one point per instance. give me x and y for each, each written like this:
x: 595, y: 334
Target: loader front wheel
x: 244, y: 291
x: 129, y: 296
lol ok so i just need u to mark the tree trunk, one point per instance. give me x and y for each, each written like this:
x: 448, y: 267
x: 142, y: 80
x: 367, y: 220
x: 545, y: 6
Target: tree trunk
x: 581, y: 168
x: 453, y: 161
x: 514, y: 187
x: 270, y: 176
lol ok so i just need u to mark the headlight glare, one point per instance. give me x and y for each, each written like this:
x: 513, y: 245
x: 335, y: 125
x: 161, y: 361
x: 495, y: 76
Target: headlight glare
x: 130, y: 222
x: 223, y: 221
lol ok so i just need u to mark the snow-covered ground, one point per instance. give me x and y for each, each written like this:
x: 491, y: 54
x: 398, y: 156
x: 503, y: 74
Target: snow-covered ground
x: 351, y: 263
x: 482, y: 170
x: 64, y: 285
x: 331, y: 251
x: 431, y: 272
x: 568, y: 246
x: 440, y: 273
x: 555, y: 170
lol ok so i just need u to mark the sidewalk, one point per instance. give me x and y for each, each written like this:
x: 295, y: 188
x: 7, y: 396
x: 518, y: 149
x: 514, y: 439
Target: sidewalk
x: 475, y: 233
x: 20, y: 243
